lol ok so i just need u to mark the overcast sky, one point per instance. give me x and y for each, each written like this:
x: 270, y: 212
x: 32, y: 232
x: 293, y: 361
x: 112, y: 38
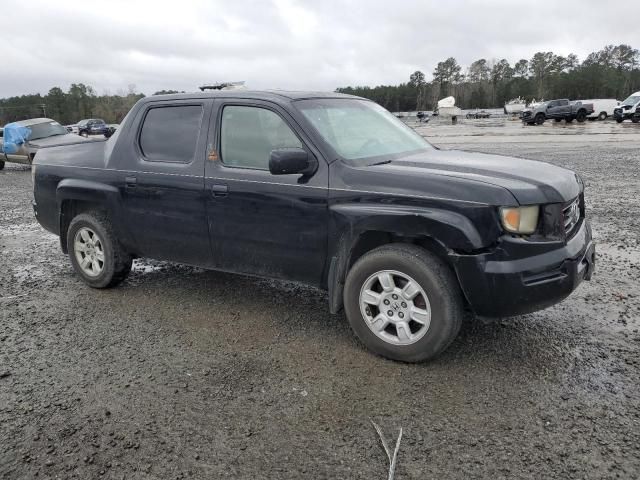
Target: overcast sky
x: 291, y: 44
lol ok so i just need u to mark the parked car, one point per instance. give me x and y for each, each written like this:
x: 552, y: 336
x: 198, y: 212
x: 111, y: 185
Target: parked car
x: 23, y: 139
x: 325, y: 189
x: 603, y: 108
x: 478, y: 114
x: 558, y: 110
x: 628, y: 108
x: 92, y: 126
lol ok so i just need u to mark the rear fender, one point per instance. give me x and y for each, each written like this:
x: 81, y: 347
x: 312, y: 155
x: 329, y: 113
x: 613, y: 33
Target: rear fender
x: 104, y: 197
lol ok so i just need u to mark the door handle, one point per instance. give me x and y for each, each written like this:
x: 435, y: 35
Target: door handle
x: 130, y: 182
x: 219, y: 190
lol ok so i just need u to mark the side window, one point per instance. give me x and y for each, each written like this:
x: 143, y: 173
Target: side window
x: 248, y: 134
x: 170, y: 134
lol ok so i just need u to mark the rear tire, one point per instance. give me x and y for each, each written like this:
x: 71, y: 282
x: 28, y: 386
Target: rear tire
x: 95, y: 253
x: 557, y: 120
x: 405, y: 328
x: 1, y: 164
x: 635, y: 120
x: 581, y: 116
x: 602, y: 116
x: 568, y: 119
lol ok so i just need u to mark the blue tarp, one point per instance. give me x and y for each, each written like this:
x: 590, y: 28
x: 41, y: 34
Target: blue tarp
x: 14, y: 136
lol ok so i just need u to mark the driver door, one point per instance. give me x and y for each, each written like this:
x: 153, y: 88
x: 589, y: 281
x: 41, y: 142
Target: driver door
x: 259, y: 223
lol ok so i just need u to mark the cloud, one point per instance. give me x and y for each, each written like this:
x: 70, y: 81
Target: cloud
x: 292, y: 44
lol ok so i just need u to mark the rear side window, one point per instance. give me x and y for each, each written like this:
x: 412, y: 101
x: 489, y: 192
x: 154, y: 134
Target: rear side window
x: 170, y: 134
x: 248, y: 135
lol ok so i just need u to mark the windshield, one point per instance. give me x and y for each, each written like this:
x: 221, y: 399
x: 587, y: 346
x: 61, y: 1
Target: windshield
x: 44, y: 130
x: 632, y: 100
x: 360, y: 129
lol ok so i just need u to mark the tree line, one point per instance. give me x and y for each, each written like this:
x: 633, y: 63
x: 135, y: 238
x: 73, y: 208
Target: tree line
x: 613, y: 72
x: 78, y: 103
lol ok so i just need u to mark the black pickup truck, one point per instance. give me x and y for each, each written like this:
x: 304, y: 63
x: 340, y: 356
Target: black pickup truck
x: 329, y: 190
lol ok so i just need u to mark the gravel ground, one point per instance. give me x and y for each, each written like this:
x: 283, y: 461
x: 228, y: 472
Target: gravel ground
x: 186, y: 373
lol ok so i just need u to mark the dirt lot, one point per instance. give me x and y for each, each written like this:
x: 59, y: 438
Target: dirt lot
x: 184, y: 373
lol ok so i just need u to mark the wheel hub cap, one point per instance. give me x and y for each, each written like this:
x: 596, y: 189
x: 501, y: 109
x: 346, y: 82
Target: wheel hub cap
x: 87, y: 247
x: 395, y: 307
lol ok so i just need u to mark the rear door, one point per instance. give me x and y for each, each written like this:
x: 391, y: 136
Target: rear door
x: 164, y: 183
x: 564, y: 108
x: 264, y: 224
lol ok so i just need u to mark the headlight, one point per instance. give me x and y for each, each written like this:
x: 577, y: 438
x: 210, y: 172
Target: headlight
x: 523, y: 220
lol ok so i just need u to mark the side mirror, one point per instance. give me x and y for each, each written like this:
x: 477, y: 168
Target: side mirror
x: 287, y: 161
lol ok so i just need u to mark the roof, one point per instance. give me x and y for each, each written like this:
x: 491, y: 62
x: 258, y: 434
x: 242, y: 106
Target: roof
x: 34, y: 121
x: 274, y: 95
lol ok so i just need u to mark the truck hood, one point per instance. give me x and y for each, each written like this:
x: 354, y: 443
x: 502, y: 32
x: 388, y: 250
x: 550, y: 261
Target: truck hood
x: 530, y: 182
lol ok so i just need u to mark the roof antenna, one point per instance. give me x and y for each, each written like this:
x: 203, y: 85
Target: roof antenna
x: 223, y: 86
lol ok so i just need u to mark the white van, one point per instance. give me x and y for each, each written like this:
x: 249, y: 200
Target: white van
x: 602, y: 108
x: 628, y: 109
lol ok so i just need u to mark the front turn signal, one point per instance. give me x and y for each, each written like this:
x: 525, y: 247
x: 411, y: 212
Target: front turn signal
x: 521, y: 220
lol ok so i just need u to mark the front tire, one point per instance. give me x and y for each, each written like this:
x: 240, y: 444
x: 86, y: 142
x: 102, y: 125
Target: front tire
x: 95, y: 253
x: 539, y: 119
x: 403, y: 303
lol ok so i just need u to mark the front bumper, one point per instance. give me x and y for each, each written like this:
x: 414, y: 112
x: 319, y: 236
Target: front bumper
x: 622, y: 114
x: 504, y: 283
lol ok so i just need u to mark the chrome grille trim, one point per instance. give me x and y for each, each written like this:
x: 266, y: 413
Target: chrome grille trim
x: 571, y: 215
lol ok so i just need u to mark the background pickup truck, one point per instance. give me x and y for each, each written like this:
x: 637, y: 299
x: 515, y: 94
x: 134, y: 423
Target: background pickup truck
x: 24, y: 138
x: 329, y: 190
x: 557, y: 110
x: 93, y: 126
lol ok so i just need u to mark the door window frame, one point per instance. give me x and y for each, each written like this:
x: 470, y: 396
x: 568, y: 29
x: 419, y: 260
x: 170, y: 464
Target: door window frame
x: 264, y: 106
x: 153, y: 105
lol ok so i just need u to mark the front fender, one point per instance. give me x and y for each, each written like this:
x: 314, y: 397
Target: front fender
x: 451, y: 230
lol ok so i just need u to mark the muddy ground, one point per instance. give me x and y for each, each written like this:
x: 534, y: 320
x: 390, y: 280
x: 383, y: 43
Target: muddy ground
x: 185, y: 373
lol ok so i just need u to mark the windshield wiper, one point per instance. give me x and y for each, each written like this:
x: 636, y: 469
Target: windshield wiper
x: 383, y: 162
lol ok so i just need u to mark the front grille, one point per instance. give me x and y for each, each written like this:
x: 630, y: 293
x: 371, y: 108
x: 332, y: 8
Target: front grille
x: 571, y: 214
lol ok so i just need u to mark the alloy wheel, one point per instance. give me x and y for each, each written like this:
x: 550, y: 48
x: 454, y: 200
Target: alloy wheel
x: 89, y: 252
x: 395, y: 307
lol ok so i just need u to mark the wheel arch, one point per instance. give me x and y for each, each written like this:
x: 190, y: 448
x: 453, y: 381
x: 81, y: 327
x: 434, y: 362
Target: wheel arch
x: 440, y: 232
x: 75, y: 196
